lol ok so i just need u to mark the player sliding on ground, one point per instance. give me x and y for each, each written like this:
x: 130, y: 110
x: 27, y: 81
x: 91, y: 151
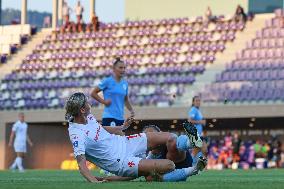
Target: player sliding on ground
x: 121, y: 155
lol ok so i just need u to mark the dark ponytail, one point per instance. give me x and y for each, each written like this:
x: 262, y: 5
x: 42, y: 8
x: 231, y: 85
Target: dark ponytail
x: 117, y: 60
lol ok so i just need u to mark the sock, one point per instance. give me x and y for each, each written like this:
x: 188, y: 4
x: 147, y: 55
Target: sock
x: 183, y: 143
x: 175, y: 176
x: 189, y: 171
x: 195, y: 158
x: 19, y: 162
x: 14, y: 165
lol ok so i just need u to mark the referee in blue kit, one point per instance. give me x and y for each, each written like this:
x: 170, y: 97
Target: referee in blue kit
x: 115, y: 92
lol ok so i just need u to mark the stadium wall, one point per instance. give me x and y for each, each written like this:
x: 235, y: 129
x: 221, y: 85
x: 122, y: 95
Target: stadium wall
x: 51, y: 146
x: 161, y: 9
x: 3, y: 143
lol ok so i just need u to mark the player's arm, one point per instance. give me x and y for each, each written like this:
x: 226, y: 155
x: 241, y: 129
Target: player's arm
x: 118, y: 178
x: 12, y: 136
x: 95, y: 95
x: 129, y: 106
x: 202, y: 122
x: 29, y: 140
x: 119, y: 130
x: 81, y: 160
x: 192, y: 118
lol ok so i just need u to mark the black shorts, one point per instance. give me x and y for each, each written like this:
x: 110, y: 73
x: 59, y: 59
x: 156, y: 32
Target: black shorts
x: 187, y: 162
x: 112, y: 122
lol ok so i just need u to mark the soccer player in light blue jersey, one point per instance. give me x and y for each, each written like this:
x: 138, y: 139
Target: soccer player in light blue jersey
x: 115, y: 92
x: 195, y: 117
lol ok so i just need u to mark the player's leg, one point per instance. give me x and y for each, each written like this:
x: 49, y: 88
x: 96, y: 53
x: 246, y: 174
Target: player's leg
x: 192, y: 139
x: 157, y: 169
x: 164, y: 170
x: 197, y: 142
x: 199, y: 152
x: 14, y: 165
x: 203, y: 150
x: 19, y: 160
x: 134, y: 166
x: 20, y: 150
x: 199, y: 147
x: 183, y: 159
x: 156, y: 139
x: 193, y: 135
x: 172, y: 151
x: 175, y: 151
x: 155, y: 166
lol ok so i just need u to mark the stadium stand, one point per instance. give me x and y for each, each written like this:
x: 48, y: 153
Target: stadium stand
x: 12, y: 37
x: 163, y: 57
x: 168, y: 61
x: 256, y: 75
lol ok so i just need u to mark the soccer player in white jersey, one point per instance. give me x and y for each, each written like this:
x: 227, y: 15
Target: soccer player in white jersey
x: 120, y: 155
x: 19, y: 132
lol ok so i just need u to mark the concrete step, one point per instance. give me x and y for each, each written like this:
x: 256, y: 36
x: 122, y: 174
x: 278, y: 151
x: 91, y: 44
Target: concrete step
x: 25, y: 50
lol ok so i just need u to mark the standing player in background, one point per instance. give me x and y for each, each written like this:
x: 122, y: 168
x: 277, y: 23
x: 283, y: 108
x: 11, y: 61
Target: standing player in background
x: 20, y: 129
x: 195, y: 117
x: 115, y: 92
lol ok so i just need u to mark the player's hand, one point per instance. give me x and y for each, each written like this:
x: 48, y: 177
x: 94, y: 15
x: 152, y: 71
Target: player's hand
x: 203, y: 122
x: 98, y: 182
x: 127, y: 123
x: 132, y: 114
x: 10, y: 144
x: 31, y: 144
x: 100, y: 178
x: 107, y: 102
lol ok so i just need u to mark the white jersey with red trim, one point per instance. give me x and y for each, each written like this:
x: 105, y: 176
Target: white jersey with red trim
x: 99, y: 146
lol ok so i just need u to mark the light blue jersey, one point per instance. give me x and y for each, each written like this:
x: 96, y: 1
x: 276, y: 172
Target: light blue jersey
x: 196, y: 115
x: 116, y: 92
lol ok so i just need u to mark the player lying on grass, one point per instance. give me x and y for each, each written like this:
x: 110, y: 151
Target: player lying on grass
x: 181, y: 158
x: 120, y: 155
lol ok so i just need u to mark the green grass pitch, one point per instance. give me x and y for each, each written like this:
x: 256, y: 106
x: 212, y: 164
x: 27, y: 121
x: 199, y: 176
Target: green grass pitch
x: 250, y: 179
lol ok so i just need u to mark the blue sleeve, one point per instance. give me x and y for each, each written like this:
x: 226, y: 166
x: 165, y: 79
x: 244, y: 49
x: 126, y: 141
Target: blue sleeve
x: 103, y: 84
x: 192, y: 113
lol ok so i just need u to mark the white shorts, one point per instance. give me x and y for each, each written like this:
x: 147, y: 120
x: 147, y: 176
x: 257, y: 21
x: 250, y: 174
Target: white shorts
x: 20, y: 148
x: 136, y: 146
